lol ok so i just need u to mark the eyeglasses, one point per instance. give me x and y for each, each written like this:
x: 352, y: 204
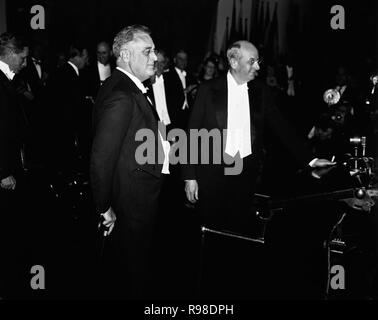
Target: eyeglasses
x: 252, y: 61
x: 147, y: 52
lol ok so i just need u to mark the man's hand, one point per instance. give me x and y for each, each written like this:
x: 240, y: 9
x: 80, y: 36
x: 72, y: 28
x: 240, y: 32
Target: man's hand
x: 321, y: 163
x: 321, y: 167
x: 8, y: 183
x: 191, y: 190
x: 109, y: 220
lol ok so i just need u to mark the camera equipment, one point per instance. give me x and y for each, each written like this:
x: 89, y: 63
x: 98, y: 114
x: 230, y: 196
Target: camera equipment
x: 361, y: 166
x: 331, y: 97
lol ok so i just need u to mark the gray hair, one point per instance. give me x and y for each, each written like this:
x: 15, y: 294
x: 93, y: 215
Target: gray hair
x: 11, y: 43
x: 127, y: 35
x: 234, y: 51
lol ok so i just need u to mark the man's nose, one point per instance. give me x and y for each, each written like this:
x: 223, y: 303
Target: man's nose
x: 154, y: 56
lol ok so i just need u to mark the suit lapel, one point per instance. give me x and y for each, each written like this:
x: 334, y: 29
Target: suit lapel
x: 9, y: 87
x: 147, y: 108
x: 220, y: 99
x: 255, y: 107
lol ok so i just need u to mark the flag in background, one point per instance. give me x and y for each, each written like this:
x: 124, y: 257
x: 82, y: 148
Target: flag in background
x: 233, y: 31
x: 240, y: 26
x: 272, y: 45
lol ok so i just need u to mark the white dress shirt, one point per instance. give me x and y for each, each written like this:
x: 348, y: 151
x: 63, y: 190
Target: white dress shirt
x: 182, y: 75
x: 8, y: 72
x: 104, y: 71
x: 238, y: 137
x: 160, y: 100
x: 166, y: 145
x: 38, y: 67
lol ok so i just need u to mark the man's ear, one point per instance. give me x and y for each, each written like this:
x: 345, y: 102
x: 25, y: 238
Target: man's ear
x: 125, y: 55
x: 233, y: 63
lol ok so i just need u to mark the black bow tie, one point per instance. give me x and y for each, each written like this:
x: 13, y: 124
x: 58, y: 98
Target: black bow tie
x: 39, y: 62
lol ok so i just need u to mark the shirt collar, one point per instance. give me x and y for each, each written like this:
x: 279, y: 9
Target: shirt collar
x: 73, y: 66
x: 159, y: 78
x: 7, y: 71
x: 103, y: 65
x: 183, y: 72
x: 233, y: 84
x: 137, y: 82
x: 36, y: 61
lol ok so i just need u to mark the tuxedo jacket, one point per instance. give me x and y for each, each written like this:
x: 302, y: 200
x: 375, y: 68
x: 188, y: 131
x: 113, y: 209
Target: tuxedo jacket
x: 120, y: 111
x: 210, y: 112
x: 30, y: 75
x: 92, y: 78
x: 66, y: 97
x: 12, y: 129
x: 175, y: 98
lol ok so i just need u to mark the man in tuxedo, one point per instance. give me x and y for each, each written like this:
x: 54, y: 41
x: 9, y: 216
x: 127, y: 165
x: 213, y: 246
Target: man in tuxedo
x: 13, y: 55
x: 31, y: 83
x: 35, y: 72
x: 179, y: 84
x: 157, y: 88
x: 125, y: 189
x: 244, y: 106
x: 99, y: 71
x: 66, y: 109
x: 246, y: 109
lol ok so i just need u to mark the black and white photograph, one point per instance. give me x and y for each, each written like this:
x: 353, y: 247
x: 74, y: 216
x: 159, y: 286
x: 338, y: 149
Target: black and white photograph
x: 188, y: 155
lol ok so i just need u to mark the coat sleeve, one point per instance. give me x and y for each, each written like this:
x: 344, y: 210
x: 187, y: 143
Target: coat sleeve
x: 112, y: 121
x: 188, y: 171
x: 4, y: 170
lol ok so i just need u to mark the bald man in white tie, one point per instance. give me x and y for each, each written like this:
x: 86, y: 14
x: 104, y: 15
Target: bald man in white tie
x: 243, y: 106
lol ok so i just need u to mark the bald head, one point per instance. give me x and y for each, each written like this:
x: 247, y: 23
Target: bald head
x: 103, y: 52
x: 243, y: 58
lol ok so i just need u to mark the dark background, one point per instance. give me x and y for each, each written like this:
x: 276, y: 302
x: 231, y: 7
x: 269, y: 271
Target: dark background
x: 187, y: 23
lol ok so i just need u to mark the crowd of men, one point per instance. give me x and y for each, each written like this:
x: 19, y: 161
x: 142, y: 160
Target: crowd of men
x: 83, y: 117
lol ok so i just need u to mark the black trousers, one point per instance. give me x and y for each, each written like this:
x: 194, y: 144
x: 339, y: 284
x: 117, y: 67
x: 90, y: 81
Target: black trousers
x: 14, y: 242
x: 133, y: 234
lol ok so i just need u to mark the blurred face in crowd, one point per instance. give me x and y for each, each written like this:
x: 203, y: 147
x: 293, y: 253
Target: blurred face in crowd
x: 37, y: 52
x: 245, y: 68
x: 181, y: 60
x: 103, y: 53
x: 82, y: 59
x: 139, y: 57
x: 16, y: 61
x: 209, y: 69
x: 160, y: 64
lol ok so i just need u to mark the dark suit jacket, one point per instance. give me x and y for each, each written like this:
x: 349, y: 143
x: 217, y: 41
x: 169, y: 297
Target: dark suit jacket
x: 12, y: 129
x: 66, y: 94
x: 119, y: 112
x: 30, y: 75
x: 175, y: 98
x: 70, y: 116
x: 92, y: 79
x: 210, y: 112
